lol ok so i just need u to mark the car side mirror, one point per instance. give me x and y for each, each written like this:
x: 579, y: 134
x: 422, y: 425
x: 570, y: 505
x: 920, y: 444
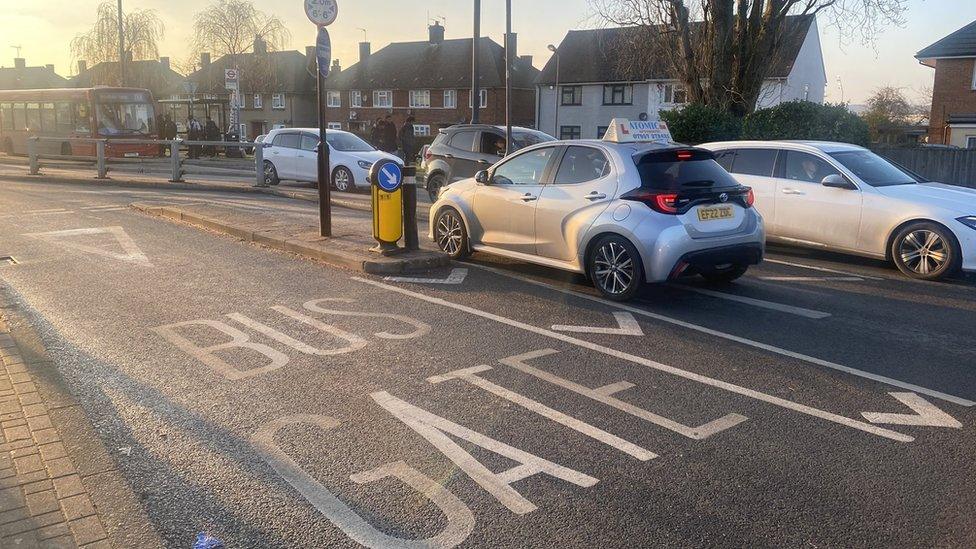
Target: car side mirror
x: 838, y: 182
x: 482, y: 177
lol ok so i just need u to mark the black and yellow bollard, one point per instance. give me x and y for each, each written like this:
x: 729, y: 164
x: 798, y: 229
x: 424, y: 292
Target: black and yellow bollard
x: 386, y: 182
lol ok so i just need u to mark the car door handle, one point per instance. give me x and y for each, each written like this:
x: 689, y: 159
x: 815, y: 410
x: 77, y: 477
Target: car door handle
x: 595, y: 196
x: 448, y: 156
x: 529, y: 197
x: 484, y: 162
x: 793, y: 191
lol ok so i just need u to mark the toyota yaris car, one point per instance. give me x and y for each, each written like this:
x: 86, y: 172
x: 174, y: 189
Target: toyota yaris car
x: 292, y: 154
x: 621, y: 213
x: 846, y: 198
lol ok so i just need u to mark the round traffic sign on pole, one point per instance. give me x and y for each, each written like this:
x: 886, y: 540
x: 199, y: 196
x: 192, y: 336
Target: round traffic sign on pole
x: 388, y: 174
x: 321, y: 12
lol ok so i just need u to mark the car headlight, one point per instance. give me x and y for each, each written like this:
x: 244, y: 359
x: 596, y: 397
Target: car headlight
x: 365, y: 165
x: 969, y: 221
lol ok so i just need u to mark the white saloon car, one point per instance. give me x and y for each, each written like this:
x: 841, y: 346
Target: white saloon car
x: 846, y: 198
x: 291, y: 154
x: 620, y: 211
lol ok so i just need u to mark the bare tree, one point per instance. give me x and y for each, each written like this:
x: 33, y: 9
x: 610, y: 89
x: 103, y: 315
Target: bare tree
x: 142, y: 30
x: 723, y: 50
x: 229, y: 27
x: 889, y: 112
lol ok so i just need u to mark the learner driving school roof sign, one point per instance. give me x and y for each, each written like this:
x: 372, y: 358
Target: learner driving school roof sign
x: 622, y: 130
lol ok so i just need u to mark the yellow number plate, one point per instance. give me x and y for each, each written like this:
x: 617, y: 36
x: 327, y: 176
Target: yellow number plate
x: 711, y: 214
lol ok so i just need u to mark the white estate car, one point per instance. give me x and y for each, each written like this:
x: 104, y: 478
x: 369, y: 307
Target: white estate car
x: 620, y: 211
x: 846, y: 198
x: 291, y: 154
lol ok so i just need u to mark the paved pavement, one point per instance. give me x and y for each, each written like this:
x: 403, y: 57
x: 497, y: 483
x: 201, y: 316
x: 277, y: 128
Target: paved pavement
x: 277, y: 402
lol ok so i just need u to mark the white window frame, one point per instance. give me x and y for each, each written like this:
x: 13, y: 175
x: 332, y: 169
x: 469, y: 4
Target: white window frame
x: 419, y: 99
x: 334, y: 126
x: 484, y: 99
x: 377, y: 103
x: 974, y: 75
x: 668, y: 98
x: 450, y: 99
x: 278, y: 101
x: 333, y: 99
x: 421, y: 130
x: 356, y: 99
x: 242, y: 131
x: 258, y: 101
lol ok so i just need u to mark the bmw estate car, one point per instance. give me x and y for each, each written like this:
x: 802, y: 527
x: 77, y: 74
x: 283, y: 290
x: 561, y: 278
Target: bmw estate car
x: 845, y: 198
x: 292, y: 155
x: 621, y: 211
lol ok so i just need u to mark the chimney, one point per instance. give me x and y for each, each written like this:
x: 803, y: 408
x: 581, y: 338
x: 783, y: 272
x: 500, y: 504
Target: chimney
x: 82, y: 66
x: 364, y: 51
x: 436, y: 33
x: 512, y: 42
x: 20, y: 63
x: 49, y: 67
x: 527, y: 59
x: 336, y: 68
x: 310, y: 53
x: 164, y: 62
x: 260, y: 46
x: 204, y: 60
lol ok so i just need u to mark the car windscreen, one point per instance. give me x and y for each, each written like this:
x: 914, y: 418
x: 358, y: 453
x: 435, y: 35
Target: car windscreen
x: 524, y: 139
x: 679, y: 169
x: 347, y: 142
x: 874, y: 170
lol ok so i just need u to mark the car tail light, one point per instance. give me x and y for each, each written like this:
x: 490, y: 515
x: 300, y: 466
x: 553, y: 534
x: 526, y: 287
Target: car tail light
x: 427, y: 154
x: 685, y: 155
x: 663, y: 202
x: 750, y: 198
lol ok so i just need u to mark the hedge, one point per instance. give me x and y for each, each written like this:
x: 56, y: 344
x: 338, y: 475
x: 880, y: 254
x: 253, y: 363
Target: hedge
x: 697, y: 123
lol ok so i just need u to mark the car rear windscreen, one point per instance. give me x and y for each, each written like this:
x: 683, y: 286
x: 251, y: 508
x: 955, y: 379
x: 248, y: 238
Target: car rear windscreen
x: 680, y: 169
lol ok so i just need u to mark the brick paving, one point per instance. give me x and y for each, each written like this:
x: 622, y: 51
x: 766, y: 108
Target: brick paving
x: 43, y: 502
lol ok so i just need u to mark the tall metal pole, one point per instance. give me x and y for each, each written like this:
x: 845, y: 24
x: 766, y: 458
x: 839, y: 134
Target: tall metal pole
x: 325, y: 191
x: 121, y: 47
x: 555, y: 130
x: 475, y: 66
x: 508, y: 77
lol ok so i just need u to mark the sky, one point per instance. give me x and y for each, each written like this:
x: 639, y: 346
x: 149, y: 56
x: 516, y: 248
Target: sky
x: 43, y: 28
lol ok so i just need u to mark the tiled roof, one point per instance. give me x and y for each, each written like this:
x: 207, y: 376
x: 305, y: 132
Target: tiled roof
x: 30, y: 78
x: 961, y: 43
x: 149, y: 74
x: 272, y: 72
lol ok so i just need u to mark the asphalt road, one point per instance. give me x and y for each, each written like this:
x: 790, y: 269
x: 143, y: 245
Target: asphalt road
x: 276, y: 402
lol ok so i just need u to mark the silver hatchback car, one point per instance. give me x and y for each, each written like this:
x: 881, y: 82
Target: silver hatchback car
x: 622, y: 213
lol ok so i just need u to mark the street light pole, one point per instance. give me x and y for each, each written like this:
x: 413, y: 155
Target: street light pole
x: 555, y: 123
x: 121, y: 47
x: 475, y: 66
x: 508, y: 77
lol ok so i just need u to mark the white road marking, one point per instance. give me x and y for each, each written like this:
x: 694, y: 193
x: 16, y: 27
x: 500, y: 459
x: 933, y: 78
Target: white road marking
x: 106, y: 208
x: 435, y: 429
x: 773, y: 306
x: 457, y: 276
x: 745, y: 341
x: 812, y: 278
x: 47, y: 211
x: 207, y: 354
x: 605, y: 395
x: 468, y: 374
x: 420, y: 328
x: 460, y: 520
x: 354, y: 342
x: 705, y: 380
x: 132, y: 252
x: 821, y: 269
x: 926, y: 414
x: 627, y: 326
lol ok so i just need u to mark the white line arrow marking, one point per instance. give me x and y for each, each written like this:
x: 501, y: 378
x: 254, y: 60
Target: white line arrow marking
x: 132, y: 253
x: 457, y: 276
x: 926, y: 414
x: 627, y: 326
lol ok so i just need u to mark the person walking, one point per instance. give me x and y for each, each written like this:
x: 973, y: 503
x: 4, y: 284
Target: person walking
x: 408, y: 142
x: 171, y: 132
x: 212, y: 134
x: 389, y: 135
x: 194, y: 133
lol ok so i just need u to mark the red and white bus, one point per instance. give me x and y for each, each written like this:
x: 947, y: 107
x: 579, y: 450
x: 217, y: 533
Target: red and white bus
x: 109, y: 113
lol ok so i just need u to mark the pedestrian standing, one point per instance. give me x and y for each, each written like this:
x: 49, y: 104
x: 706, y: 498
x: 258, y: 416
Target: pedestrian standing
x: 194, y: 133
x: 171, y: 132
x: 376, y: 133
x: 212, y: 134
x: 408, y: 142
x: 389, y: 135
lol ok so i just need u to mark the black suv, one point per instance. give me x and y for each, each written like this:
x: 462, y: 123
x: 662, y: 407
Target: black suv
x: 463, y: 150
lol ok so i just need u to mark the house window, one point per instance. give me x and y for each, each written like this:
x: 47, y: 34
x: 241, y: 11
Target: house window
x: 572, y: 96
x: 383, y: 99
x: 569, y: 132
x: 971, y: 142
x: 356, y: 99
x: 601, y: 131
x: 333, y: 99
x: 618, y: 94
x: 334, y: 126
x: 483, y: 102
x: 258, y: 101
x: 450, y: 99
x: 421, y: 130
x: 674, y: 94
x: 419, y: 99
x: 277, y: 101
x: 974, y: 75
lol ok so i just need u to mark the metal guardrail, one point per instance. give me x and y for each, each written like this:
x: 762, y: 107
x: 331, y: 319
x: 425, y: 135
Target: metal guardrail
x: 176, y: 159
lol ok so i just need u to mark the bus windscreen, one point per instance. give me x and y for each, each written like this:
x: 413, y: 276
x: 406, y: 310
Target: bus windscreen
x: 124, y: 113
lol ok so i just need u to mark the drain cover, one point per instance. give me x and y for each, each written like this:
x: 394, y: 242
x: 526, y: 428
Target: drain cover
x: 7, y: 260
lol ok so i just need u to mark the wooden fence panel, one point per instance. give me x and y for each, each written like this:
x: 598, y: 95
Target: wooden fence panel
x: 953, y: 166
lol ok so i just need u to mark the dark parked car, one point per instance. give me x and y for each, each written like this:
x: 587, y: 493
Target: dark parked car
x: 461, y: 151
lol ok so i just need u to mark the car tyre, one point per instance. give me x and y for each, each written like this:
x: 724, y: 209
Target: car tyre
x: 270, y: 174
x: 615, y: 267
x: 725, y: 275
x: 342, y: 180
x: 926, y: 251
x: 434, y: 184
x: 451, y: 235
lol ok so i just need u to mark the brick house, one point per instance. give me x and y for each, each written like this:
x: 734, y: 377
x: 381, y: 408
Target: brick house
x: 22, y: 77
x: 155, y: 76
x: 953, y: 117
x: 430, y: 80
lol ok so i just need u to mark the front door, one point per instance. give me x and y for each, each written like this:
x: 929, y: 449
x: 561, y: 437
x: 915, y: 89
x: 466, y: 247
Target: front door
x: 581, y: 190
x: 505, y: 208
x: 257, y: 128
x: 810, y: 213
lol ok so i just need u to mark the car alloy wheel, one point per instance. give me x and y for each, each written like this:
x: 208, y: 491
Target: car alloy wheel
x: 450, y: 234
x: 270, y: 174
x: 342, y: 180
x: 924, y: 252
x: 434, y: 185
x: 614, y: 268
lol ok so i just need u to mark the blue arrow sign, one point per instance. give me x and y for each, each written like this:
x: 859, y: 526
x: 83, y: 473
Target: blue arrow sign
x: 390, y: 177
x: 323, y: 51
